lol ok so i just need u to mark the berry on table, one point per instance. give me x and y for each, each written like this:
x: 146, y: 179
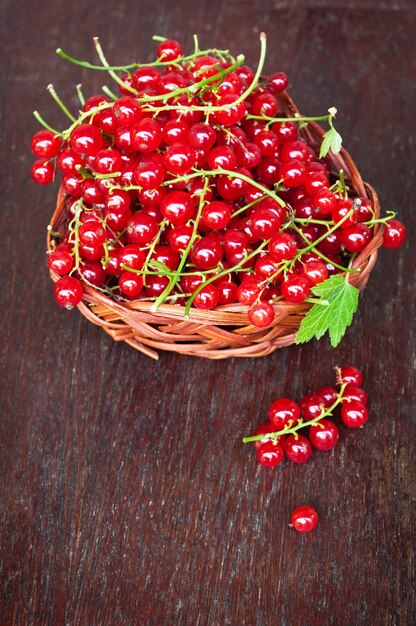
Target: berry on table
x: 304, y: 519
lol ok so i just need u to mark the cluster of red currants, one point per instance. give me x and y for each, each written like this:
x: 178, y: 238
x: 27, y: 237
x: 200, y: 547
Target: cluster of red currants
x: 188, y: 188
x: 279, y: 437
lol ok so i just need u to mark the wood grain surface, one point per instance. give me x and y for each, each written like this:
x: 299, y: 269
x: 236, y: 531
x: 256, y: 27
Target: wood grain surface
x: 126, y: 496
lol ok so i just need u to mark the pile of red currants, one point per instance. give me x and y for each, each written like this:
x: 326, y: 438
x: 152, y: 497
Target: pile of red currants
x: 190, y: 188
x: 279, y: 437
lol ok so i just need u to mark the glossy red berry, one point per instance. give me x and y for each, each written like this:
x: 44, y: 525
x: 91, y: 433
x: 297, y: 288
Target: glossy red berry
x: 127, y: 111
x: 132, y: 256
x: 297, y: 448
x: 354, y: 414
x: 279, y: 81
x: 169, y: 50
x: 179, y: 159
x: 130, y: 284
x: 270, y: 454
x: 311, y: 406
x: 207, y: 298
x: 216, y: 215
x: 43, y: 172
x: 86, y: 139
x: 394, y: 234
x: 61, y: 261
x: 350, y: 375
x: 328, y: 395
x: 352, y: 392
x: 146, y: 135
x: 45, y: 144
x: 324, y: 435
x: 261, y: 314
x: 283, y: 247
x: 355, y: 238
x: 68, y: 292
x: 177, y: 207
x: 283, y: 411
x: 304, y: 519
x: 295, y: 288
x: 142, y: 228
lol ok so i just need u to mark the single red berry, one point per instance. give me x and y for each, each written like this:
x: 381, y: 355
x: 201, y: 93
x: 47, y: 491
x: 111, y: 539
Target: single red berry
x: 350, y: 375
x: 45, y: 144
x: 86, y: 139
x: 328, y: 395
x: 61, y: 261
x: 149, y: 172
x: 127, y: 111
x: 43, y: 172
x: 355, y: 238
x: 130, y: 284
x: 297, y: 448
x: 315, y: 271
x: 93, y: 272
x: 230, y: 113
x: 270, y: 454
x: 265, y: 104
x: 354, y: 414
x: 146, y: 135
x: 324, y: 435
x: 169, y: 50
x: 304, y: 519
x: 295, y: 288
x: 222, y: 157
x: 283, y: 411
x: 311, y: 406
x: 279, y: 81
x: 216, y: 215
x: 394, y: 234
x: 142, y: 228
x: 261, y: 314
x: 207, y: 298
x: 68, y: 292
x: 177, y: 207
x: 352, y: 392
x: 107, y: 161
x: 179, y: 159
x: 283, y: 247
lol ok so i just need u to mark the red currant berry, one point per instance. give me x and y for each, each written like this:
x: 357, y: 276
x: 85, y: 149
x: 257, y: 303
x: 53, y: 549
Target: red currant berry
x: 68, y: 292
x: 248, y: 291
x: 297, y: 448
x: 304, y: 519
x: 283, y: 411
x: 179, y: 159
x: 127, y: 111
x: 352, y: 392
x: 264, y: 223
x: 142, y: 228
x: 315, y: 272
x: 146, y: 136
x: 354, y: 414
x: 131, y: 256
x: 328, y: 396
x: 149, y: 172
x: 86, y: 139
x: 107, y: 161
x: 355, y: 238
x: 216, y: 215
x: 324, y: 201
x: 342, y: 209
x: 69, y: 161
x: 230, y: 113
x: 169, y: 50
x: 311, y: 406
x: 227, y: 292
x: 222, y: 157
x: 270, y: 454
x: 279, y: 81
x: 350, y: 375
x: 146, y: 76
x: 282, y: 247
x: 265, y: 104
x: 324, y: 435
x: 394, y: 234
x: 43, y: 172
x: 93, y: 273
x: 130, y: 284
x: 295, y: 288
x: 261, y: 314
x: 92, y: 233
x: 61, y: 261
x: 205, y: 253
x: 207, y: 298
x: 177, y: 207
x: 45, y: 144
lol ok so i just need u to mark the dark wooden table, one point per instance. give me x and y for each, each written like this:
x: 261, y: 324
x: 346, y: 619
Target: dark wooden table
x: 127, y: 497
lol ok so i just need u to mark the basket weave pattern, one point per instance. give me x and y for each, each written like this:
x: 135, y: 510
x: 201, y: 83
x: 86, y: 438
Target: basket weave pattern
x: 224, y: 331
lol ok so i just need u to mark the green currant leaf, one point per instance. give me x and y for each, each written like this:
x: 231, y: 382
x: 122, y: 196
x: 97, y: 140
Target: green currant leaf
x: 332, y: 141
x: 339, y: 303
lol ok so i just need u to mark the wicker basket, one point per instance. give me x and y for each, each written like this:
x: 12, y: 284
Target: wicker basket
x: 224, y: 331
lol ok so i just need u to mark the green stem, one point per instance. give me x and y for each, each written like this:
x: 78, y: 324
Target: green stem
x: 43, y: 123
x: 292, y: 430
x: 59, y: 102
x: 80, y: 95
x: 109, y: 93
x: 132, y: 66
x: 111, y: 72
